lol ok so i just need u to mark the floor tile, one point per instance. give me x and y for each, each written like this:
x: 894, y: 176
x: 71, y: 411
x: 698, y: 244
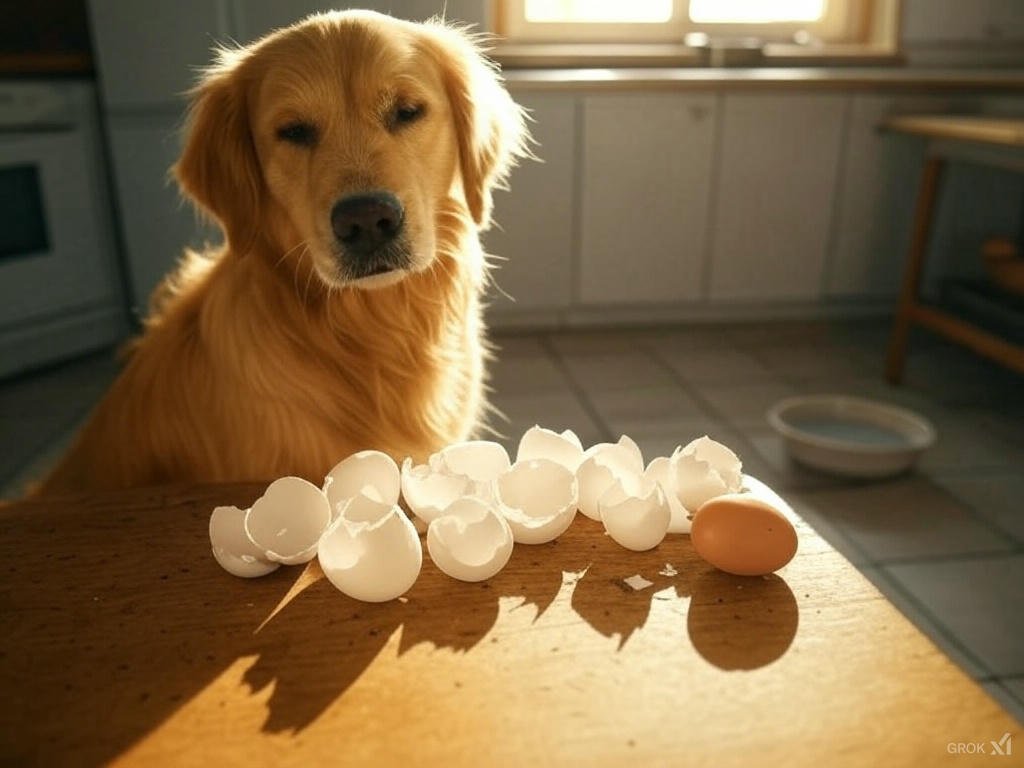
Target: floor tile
x: 715, y: 366
x: 923, y: 619
x: 644, y: 407
x: 524, y: 374
x: 998, y: 498
x: 904, y: 518
x: 745, y: 404
x: 965, y: 443
x: 554, y: 410
x: 623, y: 370
x: 979, y: 601
x: 600, y: 342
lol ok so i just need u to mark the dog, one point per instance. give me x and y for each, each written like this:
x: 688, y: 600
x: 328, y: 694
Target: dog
x: 349, y: 160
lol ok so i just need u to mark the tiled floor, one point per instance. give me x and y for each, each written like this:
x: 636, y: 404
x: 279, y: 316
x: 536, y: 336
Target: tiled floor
x: 944, y: 544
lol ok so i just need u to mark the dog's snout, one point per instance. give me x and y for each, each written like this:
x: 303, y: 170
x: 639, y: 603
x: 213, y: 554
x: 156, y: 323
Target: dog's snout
x: 363, y: 223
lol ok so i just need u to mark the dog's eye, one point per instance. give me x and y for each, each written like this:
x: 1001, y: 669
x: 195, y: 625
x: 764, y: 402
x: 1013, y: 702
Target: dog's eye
x: 405, y: 114
x: 298, y: 133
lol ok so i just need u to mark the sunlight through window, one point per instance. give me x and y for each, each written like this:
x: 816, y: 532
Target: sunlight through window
x: 755, y: 11
x: 606, y: 11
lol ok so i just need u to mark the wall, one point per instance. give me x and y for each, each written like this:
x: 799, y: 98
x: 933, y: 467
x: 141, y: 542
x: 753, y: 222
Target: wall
x: 648, y: 206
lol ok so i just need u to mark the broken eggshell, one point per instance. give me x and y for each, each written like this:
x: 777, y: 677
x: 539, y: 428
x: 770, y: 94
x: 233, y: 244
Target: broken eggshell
x: 538, y: 498
x: 370, y: 473
x: 286, y: 522
x: 428, y: 492
x: 703, y: 470
x: 635, y: 513
x: 233, y: 550
x: 660, y: 471
x: 541, y: 443
x: 602, y: 465
x: 471, y: 541
x: 371, y: 552
x: 482, y: 461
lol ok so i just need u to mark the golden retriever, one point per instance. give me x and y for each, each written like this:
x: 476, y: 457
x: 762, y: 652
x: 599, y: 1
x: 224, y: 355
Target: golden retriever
x: 349, y: 160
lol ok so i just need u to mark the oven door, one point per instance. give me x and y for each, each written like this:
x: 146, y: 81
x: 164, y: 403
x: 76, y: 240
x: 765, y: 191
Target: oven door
x: 56, y: 249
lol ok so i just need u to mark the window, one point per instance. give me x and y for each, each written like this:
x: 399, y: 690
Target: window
x: 793, y: 23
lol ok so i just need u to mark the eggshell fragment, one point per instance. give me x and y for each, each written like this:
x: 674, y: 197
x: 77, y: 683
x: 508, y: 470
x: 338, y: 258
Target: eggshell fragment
x: 232, y: 549
x: 538, y: 499
x: 726, y: 463
x: 638, y: 582
x: 479, y: 460
x: 660, y: 471
x: 602, y: 465
x: 540, y: 443
x: 371, y: 552
x: 285, y: 523
x: 635, y: 514
x: 371, y: 473
x: 742, y: 534
x: 428, y: 492
x: 471, y: 541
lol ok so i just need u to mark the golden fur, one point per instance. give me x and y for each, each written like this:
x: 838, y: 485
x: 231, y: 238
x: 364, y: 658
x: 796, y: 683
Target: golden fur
x: 260, y: 359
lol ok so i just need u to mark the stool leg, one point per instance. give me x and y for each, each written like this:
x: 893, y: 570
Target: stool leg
x: 926, y: 197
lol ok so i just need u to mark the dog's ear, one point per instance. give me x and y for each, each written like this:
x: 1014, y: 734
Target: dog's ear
x: 218, y: 168
x: 490, y: 127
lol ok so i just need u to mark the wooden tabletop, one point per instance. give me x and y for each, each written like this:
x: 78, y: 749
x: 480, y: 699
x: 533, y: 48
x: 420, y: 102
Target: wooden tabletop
x: 124, y: 642
x: 1002, y: 131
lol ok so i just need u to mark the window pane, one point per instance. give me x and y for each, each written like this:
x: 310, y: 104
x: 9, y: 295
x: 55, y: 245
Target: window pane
x: 755, y: 11
x: 634, y: 11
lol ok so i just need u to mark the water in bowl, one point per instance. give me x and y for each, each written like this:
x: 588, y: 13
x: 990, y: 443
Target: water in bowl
x: 860, y: 432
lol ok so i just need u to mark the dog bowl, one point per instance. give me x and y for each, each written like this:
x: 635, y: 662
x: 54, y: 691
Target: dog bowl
x: 851, y: 436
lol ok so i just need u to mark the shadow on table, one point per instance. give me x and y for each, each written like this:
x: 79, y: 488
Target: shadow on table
x: 115, y: 620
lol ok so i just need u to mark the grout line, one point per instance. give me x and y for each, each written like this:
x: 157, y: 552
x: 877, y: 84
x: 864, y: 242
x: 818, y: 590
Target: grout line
x: 575, y: 387
x: 956, y: 557
x: 936, y: 628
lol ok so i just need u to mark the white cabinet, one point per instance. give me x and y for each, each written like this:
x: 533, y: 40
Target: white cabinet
x: 157, y: 223
x: 254, y: 18
x: 148, y: 52
x: 532, y: 238
x: 646, y: 169
x: 773, y: 204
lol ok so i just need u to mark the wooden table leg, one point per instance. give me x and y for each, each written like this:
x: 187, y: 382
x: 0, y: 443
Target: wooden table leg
x: 926, y: 198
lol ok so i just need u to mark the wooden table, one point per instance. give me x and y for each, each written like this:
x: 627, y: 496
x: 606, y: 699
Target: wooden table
x: 124, y: 642
x: 996, y: 141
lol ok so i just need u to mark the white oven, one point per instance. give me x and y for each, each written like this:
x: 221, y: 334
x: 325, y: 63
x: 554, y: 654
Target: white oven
x: 60, y: 286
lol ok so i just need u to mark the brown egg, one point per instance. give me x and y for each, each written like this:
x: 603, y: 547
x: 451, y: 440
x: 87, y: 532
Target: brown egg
x: 742, y: 534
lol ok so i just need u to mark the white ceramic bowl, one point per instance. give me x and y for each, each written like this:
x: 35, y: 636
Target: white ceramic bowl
x: 851, y: 436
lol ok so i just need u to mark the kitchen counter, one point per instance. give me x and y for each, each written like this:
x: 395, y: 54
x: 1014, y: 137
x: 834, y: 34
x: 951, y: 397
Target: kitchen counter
x: 124, y: 641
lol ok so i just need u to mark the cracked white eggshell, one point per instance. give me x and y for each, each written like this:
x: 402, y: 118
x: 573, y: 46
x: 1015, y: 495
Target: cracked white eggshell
x: 372, y: 551
x: 538, y: 499
x: 471, y: 541
x: 482, y: 461
x: 233, y: 550
x: 602, y: 465
x: 695, y: 481
x: 541, y: 443
x: 428, y: 492
x: 726, y: 463
x: 636, y: 518
x: 660, y: 471
x: 287, y: 520
x: 370, y: 473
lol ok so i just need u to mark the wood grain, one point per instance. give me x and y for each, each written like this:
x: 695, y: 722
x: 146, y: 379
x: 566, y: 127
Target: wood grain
x: 124, y: 642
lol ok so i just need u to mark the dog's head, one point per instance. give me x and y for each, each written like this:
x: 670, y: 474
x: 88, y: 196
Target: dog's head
x: 347, y: 138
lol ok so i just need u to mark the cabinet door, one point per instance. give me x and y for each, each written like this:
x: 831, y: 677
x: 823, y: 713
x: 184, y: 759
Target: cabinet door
x: 532, y: 236
x: 773, y: 206
x: 644, y: 197
x: 148, y: 52
x: 258, y: 17
x: 157, y: 223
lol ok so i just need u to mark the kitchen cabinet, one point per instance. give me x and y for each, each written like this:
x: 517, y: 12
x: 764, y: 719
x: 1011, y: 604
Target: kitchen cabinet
x: 532, y: 238
x: 646, y: 170
x: 774, y: 195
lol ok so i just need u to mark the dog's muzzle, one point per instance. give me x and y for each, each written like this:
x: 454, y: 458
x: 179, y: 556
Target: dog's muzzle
x: 369, y: 227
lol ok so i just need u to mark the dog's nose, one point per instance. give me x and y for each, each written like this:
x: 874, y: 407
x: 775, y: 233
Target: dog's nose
x: 363, y: 223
